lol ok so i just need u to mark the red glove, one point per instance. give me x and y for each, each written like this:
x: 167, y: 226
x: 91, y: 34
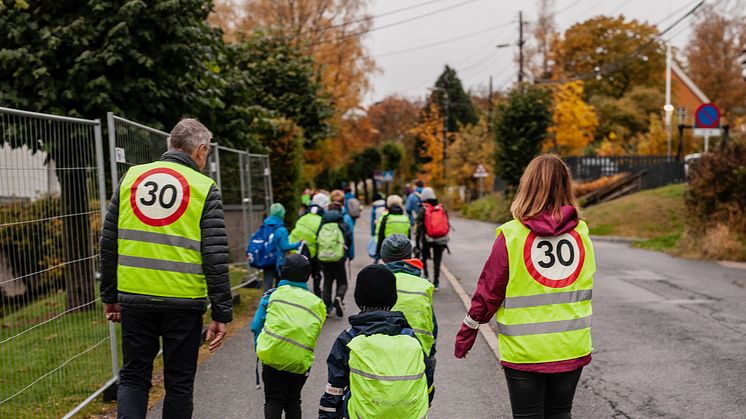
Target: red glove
x: 465, y: 340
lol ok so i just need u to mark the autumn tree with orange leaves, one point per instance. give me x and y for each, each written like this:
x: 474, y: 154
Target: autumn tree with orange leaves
x: 574, y: 122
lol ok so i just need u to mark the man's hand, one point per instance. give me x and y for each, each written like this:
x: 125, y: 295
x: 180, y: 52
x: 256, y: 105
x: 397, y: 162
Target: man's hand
x: 215, y: 335
x: 113, y: 312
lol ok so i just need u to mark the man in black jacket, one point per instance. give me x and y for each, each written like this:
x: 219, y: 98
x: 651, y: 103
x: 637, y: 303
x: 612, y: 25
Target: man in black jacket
x: 164, y: 252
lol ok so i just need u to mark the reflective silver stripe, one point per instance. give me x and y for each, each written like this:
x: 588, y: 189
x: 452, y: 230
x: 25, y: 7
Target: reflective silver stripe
x: 387, y: 377
x: 148, y: 237
x: 288, y: 340
x: 277, y: 300
x: 327, y: 409
x: 161, y: 265
x: 424, y: 332
x: 547, y: 299
x: 413, y: 293
x: 544, y: 327
x: 471, y: 323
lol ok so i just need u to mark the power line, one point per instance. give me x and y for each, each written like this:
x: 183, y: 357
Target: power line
x: 442, y: 42
x: 400, y: 22
x: 363, y: 19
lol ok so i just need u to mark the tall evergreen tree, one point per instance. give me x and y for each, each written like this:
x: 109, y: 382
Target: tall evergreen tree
x: 449, y: 93
x: 520, y: 128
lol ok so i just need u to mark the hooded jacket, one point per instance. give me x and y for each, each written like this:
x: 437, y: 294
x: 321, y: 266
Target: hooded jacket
x: 366, y: 323
x: 374, y: 214
x: 214, y: 249
x: 335, y: 216
x: 493, y: 283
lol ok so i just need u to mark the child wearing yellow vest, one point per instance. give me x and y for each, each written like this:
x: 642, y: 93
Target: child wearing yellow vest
x: 377, y: 368
x: 286, y: 326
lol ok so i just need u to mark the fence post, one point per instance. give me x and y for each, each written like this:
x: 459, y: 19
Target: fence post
x: 111, y: 129
x: 102, y: 197
x: 251, y: 192
x: 217, y: 167
x: 268, y: 182
x: 242, y: 177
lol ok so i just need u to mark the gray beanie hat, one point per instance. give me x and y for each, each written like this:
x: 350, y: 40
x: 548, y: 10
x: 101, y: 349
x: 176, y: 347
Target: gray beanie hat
x: 427, y: 193
x: 396, y: 247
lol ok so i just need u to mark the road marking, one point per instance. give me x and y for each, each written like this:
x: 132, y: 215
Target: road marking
x: 484, y: 329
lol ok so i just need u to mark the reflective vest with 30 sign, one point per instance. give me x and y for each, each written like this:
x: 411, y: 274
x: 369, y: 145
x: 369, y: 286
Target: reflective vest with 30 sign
x: 546, y: 314
x: 159, y: 242
x: 387, y: 377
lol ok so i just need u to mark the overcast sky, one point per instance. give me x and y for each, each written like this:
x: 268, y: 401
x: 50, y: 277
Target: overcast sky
x: 481, y: 25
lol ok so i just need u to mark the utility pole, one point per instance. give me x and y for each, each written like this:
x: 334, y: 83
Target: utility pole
x: 668, y: 107
x: 445, y: 128
x: 489, y: 109
x: 520, y: 46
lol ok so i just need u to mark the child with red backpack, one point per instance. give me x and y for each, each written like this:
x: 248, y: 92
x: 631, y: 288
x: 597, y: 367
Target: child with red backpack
x: 432, y: 232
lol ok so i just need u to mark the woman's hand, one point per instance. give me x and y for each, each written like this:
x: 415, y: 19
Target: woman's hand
x: 465, y: 340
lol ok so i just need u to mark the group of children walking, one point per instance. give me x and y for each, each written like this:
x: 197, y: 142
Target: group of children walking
x: 383, y: 364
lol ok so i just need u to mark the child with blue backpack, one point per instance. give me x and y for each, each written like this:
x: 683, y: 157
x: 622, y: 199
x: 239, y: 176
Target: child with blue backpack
x: 268, y: 245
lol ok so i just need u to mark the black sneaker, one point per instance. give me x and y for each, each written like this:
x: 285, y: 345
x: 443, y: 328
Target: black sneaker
x: 338, y: 307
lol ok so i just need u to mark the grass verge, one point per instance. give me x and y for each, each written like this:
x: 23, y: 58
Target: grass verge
x: 493, y: 208
x: 69, y: 354
x: 655, y: 215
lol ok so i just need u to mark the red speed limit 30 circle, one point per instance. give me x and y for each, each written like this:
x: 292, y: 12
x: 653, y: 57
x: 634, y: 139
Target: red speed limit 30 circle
x: 159, y: 196
x: 556, y: 261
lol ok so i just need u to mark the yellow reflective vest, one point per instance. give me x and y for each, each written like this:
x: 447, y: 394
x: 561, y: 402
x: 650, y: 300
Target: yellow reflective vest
x: 415, y: 301
x: 546, y: 314
x: 159, y: 234
x: 292, y: 326
x: 387, y: 377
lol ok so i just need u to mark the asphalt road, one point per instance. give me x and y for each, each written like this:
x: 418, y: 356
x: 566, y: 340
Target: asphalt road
x: 669, y: 338
x: 669, y: 334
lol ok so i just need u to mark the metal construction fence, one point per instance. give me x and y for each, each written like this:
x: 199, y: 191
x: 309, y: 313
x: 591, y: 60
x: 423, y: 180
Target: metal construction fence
x: 57, y: 351
x: 661, y: 170
x: 55, y: 345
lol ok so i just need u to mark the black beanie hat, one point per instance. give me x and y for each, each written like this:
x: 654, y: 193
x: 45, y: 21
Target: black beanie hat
x: 396, y: 247
x: 296, y: 268
x: 375, y: 288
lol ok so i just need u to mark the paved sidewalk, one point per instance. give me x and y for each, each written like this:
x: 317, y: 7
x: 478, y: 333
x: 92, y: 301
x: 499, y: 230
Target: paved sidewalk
x: 472, y: 388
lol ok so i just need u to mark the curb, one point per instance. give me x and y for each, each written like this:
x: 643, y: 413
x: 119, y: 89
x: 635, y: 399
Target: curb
x: 617, y: 239
x: 484, y: 329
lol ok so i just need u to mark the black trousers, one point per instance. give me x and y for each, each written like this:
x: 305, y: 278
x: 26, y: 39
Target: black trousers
x: 537, y: 395
x: 334, y: 272
x: 316, y: 275
x: 141, y: 333
x: 437, y: 256
x: 282, y: 393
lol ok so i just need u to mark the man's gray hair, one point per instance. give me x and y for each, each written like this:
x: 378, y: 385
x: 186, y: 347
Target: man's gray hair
x: 188, y: 134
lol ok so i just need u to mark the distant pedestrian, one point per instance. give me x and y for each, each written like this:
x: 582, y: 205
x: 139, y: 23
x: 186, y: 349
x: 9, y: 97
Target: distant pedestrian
x: 352, y: 205
x: 392, y: 221
x: 432, y: 228
x: 538, y: 279
x: 305, y: 229
x: 414, y: 293
x: 414, y: 200
x: 164, y: 252
x: 378, y: 206
x: 377, y: 368
x: 286, y: 326
x: 333, y: 241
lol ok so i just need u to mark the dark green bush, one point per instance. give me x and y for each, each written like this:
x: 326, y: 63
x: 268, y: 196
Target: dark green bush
x: 717, y: 189
x: 31, y: 240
